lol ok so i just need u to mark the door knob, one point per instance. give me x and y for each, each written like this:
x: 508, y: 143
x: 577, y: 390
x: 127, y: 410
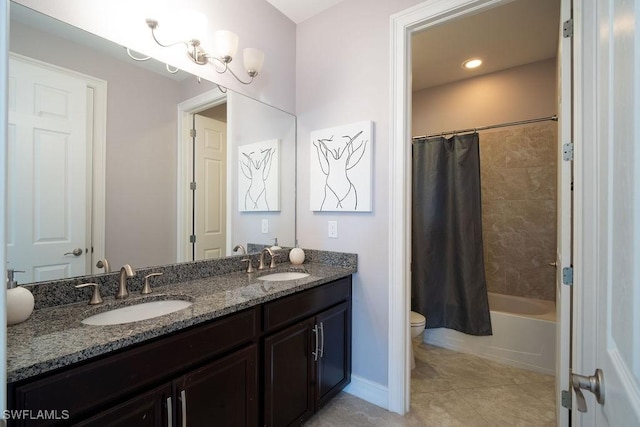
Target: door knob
x: 594, y: 384
x: 75, y: 252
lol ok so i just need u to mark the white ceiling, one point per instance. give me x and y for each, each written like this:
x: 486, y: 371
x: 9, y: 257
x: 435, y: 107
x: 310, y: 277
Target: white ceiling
x: 300, y: 10
x: 518, y: 33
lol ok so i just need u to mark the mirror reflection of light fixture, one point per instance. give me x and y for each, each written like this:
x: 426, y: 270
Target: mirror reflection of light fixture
x: 226, y: 46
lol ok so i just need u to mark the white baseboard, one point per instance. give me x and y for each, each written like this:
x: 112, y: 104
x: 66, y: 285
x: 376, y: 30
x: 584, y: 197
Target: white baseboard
x: 375, y: 393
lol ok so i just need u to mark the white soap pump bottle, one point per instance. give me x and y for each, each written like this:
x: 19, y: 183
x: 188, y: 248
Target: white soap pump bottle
x: 19, y: 300
x: 275, y: 246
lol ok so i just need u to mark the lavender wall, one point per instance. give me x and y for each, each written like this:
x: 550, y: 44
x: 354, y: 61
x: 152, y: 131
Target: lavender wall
x: 343, y: 77
x: 518, y: 93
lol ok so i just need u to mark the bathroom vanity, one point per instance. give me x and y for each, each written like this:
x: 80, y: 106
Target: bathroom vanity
x: 247, y: 352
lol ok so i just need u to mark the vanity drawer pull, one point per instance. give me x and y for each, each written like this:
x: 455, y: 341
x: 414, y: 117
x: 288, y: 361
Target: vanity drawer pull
x: 315, y: 333
x: 169, y: 413
x: 321, y: 340
x: 183, y: 400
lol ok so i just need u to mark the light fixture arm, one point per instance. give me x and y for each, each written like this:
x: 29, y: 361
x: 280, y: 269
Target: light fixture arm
x: 153, y: 24
x: 137, y: 58
x: 197, y: 54
x: 225, y: 65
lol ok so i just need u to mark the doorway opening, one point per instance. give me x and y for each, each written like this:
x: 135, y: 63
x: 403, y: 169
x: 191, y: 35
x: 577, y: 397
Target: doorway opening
x: 203, y: 222
x: 436, y: 18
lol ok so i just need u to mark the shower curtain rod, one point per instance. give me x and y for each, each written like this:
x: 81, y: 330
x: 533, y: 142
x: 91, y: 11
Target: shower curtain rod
x: 502, y: 125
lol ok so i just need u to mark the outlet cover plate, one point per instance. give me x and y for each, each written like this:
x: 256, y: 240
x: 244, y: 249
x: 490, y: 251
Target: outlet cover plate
x: 333, y: 229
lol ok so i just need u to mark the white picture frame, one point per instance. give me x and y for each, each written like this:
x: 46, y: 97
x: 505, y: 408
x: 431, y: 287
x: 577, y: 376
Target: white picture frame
x: 259, y: 176
x: 341, y: 168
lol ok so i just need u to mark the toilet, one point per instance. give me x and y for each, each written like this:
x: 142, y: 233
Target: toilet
x: 418, y: 322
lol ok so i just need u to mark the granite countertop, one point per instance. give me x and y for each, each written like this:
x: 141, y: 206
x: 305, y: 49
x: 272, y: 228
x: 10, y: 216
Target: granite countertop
x: 54, y: 337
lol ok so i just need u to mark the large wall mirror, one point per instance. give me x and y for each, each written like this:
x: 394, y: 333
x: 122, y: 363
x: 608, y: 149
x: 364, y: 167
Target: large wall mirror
x: 103, y: 165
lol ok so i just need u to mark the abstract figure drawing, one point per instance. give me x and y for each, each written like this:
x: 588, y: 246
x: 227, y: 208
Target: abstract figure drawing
x: 339, y: 191
x: 257, y: 167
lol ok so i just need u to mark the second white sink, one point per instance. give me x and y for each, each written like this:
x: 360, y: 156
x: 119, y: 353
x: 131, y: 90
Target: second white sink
x: 287, y: 275
x: 134, y: 313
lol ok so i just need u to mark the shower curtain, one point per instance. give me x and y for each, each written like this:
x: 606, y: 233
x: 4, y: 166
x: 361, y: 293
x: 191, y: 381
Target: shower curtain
x: 448, y: 278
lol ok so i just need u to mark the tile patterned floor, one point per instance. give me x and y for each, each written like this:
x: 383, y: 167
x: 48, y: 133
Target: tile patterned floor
x: 455, y: 389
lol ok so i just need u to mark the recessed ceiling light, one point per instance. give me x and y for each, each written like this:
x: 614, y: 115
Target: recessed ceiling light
x: 472, y: 63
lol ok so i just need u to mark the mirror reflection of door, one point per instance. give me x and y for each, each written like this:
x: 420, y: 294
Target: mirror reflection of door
x: 210, y: 193
x: 49, y: 180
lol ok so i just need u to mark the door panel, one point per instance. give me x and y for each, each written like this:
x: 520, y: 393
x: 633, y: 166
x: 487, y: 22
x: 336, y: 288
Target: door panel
x: 211, y: 196
x: 224, y: 392
x: 618, y: 297
x: 288, y: 394
x: 149, y: 409
x: 47, y: 172
x: 334, y: 362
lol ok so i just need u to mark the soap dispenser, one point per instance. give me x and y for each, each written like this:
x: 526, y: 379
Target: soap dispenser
x: 19, y: 300
x: 275, y: 246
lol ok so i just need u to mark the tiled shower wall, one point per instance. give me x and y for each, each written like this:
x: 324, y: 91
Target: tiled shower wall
x: 518, y: 181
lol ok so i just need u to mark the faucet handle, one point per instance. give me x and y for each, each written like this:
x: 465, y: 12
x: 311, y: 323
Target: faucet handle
x: 273, y: 260
x: 103, y: 263
x: 146, y: 289
x: 249, y: 266
x: 96, y: 298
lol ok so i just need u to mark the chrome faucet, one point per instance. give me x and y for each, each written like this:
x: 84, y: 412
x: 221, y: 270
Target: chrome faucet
x: 241, y: 248
x: 273, y: 259
x: 125, y: 272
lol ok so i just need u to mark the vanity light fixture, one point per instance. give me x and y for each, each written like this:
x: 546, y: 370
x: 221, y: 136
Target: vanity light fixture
x: 226, y: 48
x: 472, y: 63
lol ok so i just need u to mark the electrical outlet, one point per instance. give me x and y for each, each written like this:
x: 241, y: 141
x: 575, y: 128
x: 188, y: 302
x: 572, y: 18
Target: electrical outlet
x: 333, y: 229
x: 265, y: 226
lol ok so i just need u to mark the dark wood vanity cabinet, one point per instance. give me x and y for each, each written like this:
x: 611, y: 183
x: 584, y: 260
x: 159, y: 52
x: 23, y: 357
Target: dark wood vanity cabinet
x: 210, y: 374
x: 215, y: 364
x: 150, y: 409
x: 307, y: 352
x: 222, y: 393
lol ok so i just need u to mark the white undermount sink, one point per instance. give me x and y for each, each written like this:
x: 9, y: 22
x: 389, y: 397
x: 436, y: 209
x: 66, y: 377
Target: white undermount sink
x: 134, y: 313
x: 287, y: 275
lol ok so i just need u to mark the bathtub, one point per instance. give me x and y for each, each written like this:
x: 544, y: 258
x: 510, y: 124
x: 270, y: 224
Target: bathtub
x: 524, y: 334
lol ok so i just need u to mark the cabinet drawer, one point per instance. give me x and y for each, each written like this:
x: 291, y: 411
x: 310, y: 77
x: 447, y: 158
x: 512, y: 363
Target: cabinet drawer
x: 81, y: 389
x: 304, y: 304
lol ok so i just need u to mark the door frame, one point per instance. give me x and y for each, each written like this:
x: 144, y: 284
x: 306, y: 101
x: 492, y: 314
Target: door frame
x: 96, y: 156
x: 403, y: 24
x: 183, y: 224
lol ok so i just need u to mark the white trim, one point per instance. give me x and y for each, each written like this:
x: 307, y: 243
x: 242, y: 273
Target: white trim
x: 422, y: 16
x: 99, y: 171
x: 368, y: 390
x: 183, y: 222
x: 4, y: 119
x: 98, y: 149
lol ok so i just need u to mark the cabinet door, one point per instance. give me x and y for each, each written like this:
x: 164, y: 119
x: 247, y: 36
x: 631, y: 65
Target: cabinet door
x: 289, y: 370
x: 334, y: 361
x: 150, y: 409
x: 221, y: 393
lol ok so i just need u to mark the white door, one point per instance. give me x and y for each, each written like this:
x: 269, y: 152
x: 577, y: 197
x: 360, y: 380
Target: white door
x: 47, y: 172
x: 211, y: 193
x: 564, y: 218
x: 615, y: 337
